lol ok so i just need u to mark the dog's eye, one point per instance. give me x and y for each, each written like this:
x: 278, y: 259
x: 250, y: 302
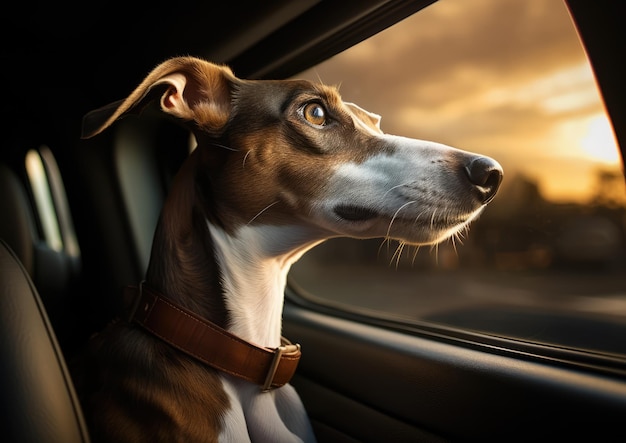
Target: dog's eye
x: 315, y: 114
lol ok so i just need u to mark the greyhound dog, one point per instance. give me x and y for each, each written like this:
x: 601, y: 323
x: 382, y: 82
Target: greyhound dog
x: 279, y: 166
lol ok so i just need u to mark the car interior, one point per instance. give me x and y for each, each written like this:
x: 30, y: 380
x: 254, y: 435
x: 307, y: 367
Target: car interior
x: 362, y: 378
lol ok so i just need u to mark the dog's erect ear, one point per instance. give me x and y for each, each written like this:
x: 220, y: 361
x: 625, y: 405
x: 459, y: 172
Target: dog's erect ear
x: 194, y: 90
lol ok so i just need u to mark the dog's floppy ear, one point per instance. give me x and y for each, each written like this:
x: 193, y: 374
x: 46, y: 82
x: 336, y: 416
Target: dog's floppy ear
x: 194, y: 90
x: 366, y: 116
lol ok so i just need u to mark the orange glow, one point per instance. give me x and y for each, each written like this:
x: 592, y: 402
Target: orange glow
x: 598, y: 143
x: 505, y: 78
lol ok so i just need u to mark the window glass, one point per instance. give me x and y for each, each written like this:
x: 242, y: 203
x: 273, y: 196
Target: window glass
x: 40, y: 185
x: 545, y: 262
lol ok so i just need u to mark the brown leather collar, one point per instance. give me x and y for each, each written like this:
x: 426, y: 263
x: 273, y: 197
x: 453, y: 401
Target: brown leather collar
x: 207, y: 342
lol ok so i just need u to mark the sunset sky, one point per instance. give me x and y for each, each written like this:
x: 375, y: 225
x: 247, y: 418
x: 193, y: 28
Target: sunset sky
x: 506, y: 78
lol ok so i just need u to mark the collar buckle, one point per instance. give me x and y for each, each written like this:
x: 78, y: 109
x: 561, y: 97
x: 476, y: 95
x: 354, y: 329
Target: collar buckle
x: 278, y: 353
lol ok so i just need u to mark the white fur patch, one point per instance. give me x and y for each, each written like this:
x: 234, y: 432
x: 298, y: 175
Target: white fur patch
x: 254, y: 264
x: 277, y: 416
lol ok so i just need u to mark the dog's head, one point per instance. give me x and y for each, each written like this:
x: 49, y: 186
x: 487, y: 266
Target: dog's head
x: 292, y: 153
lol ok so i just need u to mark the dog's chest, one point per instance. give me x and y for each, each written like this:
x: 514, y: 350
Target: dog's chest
x: 253, y: 415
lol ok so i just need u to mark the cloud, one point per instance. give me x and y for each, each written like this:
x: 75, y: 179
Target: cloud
x: 494, y: 76
x: 449, y: 39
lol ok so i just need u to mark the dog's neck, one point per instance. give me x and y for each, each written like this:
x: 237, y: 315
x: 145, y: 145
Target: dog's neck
x: 235, y: 278
x: 254, y: 268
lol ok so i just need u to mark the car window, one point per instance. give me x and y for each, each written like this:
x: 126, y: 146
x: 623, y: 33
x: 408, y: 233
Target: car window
x: 545, y: 262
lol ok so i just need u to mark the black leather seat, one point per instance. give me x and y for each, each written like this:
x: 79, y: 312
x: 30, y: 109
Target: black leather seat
x: 38, y: 399
x: 54, y: 272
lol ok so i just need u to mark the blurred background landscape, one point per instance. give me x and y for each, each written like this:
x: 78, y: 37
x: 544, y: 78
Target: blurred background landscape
x: 509, y: 79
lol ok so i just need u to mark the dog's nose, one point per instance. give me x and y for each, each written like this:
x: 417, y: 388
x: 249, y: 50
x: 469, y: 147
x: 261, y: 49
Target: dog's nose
x: 486, y: 175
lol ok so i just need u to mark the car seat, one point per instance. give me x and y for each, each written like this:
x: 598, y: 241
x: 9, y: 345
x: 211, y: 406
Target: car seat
x: 54, y: 272
x: 38, y: 399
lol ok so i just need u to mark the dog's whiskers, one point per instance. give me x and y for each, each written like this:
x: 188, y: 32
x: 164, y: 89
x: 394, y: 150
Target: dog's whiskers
x: 319, y: 77
x: 419, y: 215
x: 435, y: 247
x: 453, y: 241
x: 432, y: 218
x: 219, y: 145
x: 396, y: 214
x: 386, y: 241
x: 458, y: 237
x: 391, y: 189
x: 243, y: 164
x: 417, y: 250
x: 262, y: 211
x: 397, y: 254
